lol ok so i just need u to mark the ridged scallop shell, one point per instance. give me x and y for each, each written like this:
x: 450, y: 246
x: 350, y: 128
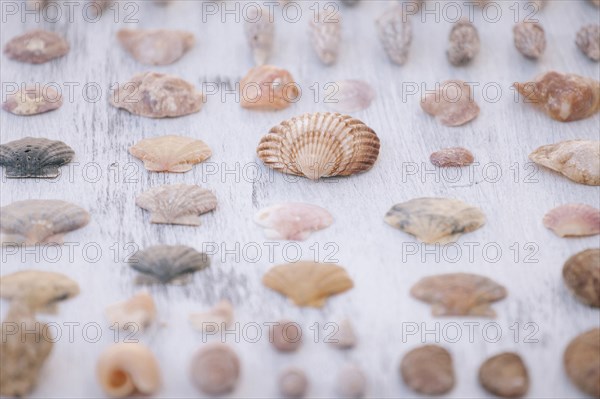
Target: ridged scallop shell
x: 286, y: 336
x: 351, y: 382
x: 308, y: 283
x: 428, y: 370
x: 32, y: 100
x: 464, y: 43
x: 351, y: 96
x: 36, y: 47
x: 157, y: 95
x: 452, y: 157
x: 564, y: 97
x: 326, y: 36
x: 459, y: 294
x: 34, y: 157
x: 505, y: 375
x: 588, y: 41
x: 260, y: 34
x: 32, y: 222
x: 156, y: 46
x: 581, y: 274
x: 581, y: 360
x: 320, y: 145
x: 170, y: 153
x: 573, y: 220
x: 177, y: 204
x: 166, y: 263
x: 221, y: 315
x: 139, y: 311
x: 395, y: 33
x: 293, y: 383
x: 451, y: 103
x: 579, y: 160
x: 215, y: 369
x: 292, y: 221
x: 435, y: 220
x: 127, y: 368
x: 268, y: 87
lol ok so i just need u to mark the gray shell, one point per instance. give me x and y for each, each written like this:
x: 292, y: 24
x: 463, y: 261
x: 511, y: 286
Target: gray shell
x: 395, y: 34
x: 34, y: 157
x: 166, y: 263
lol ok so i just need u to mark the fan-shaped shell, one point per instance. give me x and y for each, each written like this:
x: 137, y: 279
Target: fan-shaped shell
x: 166, y: 263
x: 139, y: 311
x: 260, y: 33
x: 32, y: 222
x: 505, y: 375
x: 127, y: 368
x: 177, y: 203
x: 326, y: 36
x: 395, y: 33
x: 320, y: 145
x: 293, y: 383
x: 573, y: 220
x: 459, y: 294
x: 220, y: 315
x: 156, y: 46
x: 32, y: 100
x: 268, y: 87
x: 36, y: 47
x: 170, y: 153
x: 428, y: 370
x: 579, y: 160
x: 582, y: 359
x: 435, y: 220
x: 308, y: 283
x: 581, y: 273
x: 451, y: 103
x: 293, y: 221
x: 351, y: 382
x: 215, y: 369
x: 34, y: 157
x: 351, y: 96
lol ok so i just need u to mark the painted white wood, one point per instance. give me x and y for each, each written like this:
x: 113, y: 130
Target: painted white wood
x: 376, y: 256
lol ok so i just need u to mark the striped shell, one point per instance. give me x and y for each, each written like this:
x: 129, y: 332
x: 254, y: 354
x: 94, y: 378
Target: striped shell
x: 573, y: 220
x: 166, y: 263
x: 395, y: 34
x: 170, y: 153
x: 326, y: 35
x: 34, y: 157
x: 320, y: 145
x: 33, y: 99
x: 579, y: 160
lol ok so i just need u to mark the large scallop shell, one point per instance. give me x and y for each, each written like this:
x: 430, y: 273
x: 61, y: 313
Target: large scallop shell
x: 326, y: 36
x: 459, y: 294
x: 581, y: 273
x: 268, y: 87
x: 293, y: 221
x: 32, y: 100
x: 260, y: 33
x: 32, y: 222
x: 36, y: 47
x: 34, y: 157
x: 139, y: 311
x: 177, y: 203
x: 573, y: 220
x: 582, y: 362
x: 166, y: 263
x: 435, y: 220
x: 127, y: 368
x: 451, y: 103
x: 579, y: 160
x: 320, y: 145
x: 428, y: 370
x: 170, y: 153
x: 156, y: 46
x: 215, y: 369
x: 395, y: 33
x: 308, y: 283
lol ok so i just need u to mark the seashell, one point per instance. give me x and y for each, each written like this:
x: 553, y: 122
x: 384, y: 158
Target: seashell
x: 157, y: 95
x: 463, y: 43
x: 351, y: 382
x: 320, y: 145
x: 595, y: 2
x: 34, y: 157
x: 156, y: 46
x: 260, y: 33
x: 351, y: 96
x: 581, y: 273
x: 530, y: 39
x: 36, y: 47
x: 32, y: 100
x: 588, y: 41
x: 428, y: 370
x: 166, y: 263
x: 563, y: 97
x: 395, y: 34
x: 268, y: 87
x: 308, y: 283
x: 97, y: 6
x: 215, y: 369
x: 127, y: 368
x: 581, y: 360
x: 452, y: 157
x: 435, y: 220
x: 344, y: 338
x: 505, y: 375
x: 218, y: 316
x: 170, y: 153
x: 579, y: 160
x: 452, y: 103
x: 350, y: 3
x: 33, y: 222
x: 293, y: 221
x: 293, y: 383
x: 286, y: 336
x: 326, y: 36
x: 573, y: 220
x: 139, y: 311
x: 177, y: 203
x: 459, y: 294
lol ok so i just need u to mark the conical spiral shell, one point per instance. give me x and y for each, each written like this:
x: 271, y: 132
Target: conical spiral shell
x: 170, y: 153
x: 34, y: 157
x: 215, y: 369
x: 326, y: 36
x: 395, y: 34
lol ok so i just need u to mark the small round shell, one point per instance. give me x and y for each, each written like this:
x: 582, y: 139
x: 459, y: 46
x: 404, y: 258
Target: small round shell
x: 351, y: 96
x: 293, y: 383
x: 464, y: 43
x: 395, y: 34
x: 34, y: 157
x: 581, y: 360
x: 215, y: 369
x: 452, y: 157
x: 166, y: 263
x: 127, y: 368
x: 260, y: 33
x: 428, y: 370
x: 505, y: 375
x: 286, y: 336
x: 451, y: 103
x: 573, y: 220
x: 292, y: 221
x: 588, y: 41
x: 344, y: 338
x: 351, y: 382
x: 138, y: 311
x: 579, y: 160
x: 170, y: 153
x: 581, y: 274
x: 156, y: 46
x: 326, y: 36
x: 530, y: 39
x: 36, y: 47
x: 268, y: 87
x: 32, y: 100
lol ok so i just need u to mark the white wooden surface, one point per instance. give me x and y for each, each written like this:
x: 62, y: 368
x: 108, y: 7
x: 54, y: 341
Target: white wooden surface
x: 374, y: 254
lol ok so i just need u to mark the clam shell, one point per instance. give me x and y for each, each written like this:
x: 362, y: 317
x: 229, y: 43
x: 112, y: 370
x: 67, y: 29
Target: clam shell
x: 127, y: 368
x: 395, y: 34
x: 293, y: 383
x: 463, y: 44
x: 157, y: 95
x: 435, y: 220
x: 156, y: 46
x: 588, y: 41
x: 459, y: 294
x: 320, y: 145
x: 286, y: 336
x: 579, y: 160
x: 32, y: 100
x: 581, y: 360
x: 166, y: 263
x: 344, y: 338
x: 308, y: 283
x: 215, y: 369
x: 34, y: 157
x: 428, y: 370
x: 351, y: 96
x: 260, y: 33
x: 451, y: 103
x: 326, y: 36
x: 505, y: 375
x: 581, y: 273
x: 530, y: 39
x: 139, y: 311
x: 351, y: 382
x: 177, y: 203
x: 564, y: 97
x: 452, y: 157
x: 573, y: 220
x: 33, y: 222
x: 292, y: 221
x: 36, y: 47
x: 268, y: 87
x: 170, y: 153
x: 219, y: 316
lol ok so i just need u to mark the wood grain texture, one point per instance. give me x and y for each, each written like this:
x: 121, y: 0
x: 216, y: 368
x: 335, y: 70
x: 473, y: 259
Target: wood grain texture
x: 106, y: 180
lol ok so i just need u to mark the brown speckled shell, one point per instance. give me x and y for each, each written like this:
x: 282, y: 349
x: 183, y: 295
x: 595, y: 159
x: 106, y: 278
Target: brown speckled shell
x: 582, y: 359
x: 530, y: 39
x: 464, y: 43
x: 579, y: 160
x: 588, y: 41
x: 32, y: 100
x: 581, y: 274
x: 452, y: 157
x: 428, y: 370
x: 505, y: 375
x: 36, y: 47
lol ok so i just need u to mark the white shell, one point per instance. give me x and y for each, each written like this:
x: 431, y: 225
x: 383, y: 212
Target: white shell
x: 138, y: 311
x: 212, y: 321
x: 260, y: 34
x: 326, y: 36
x: 292, y: 221
x: 395, y: 34
x: 579, y: 160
